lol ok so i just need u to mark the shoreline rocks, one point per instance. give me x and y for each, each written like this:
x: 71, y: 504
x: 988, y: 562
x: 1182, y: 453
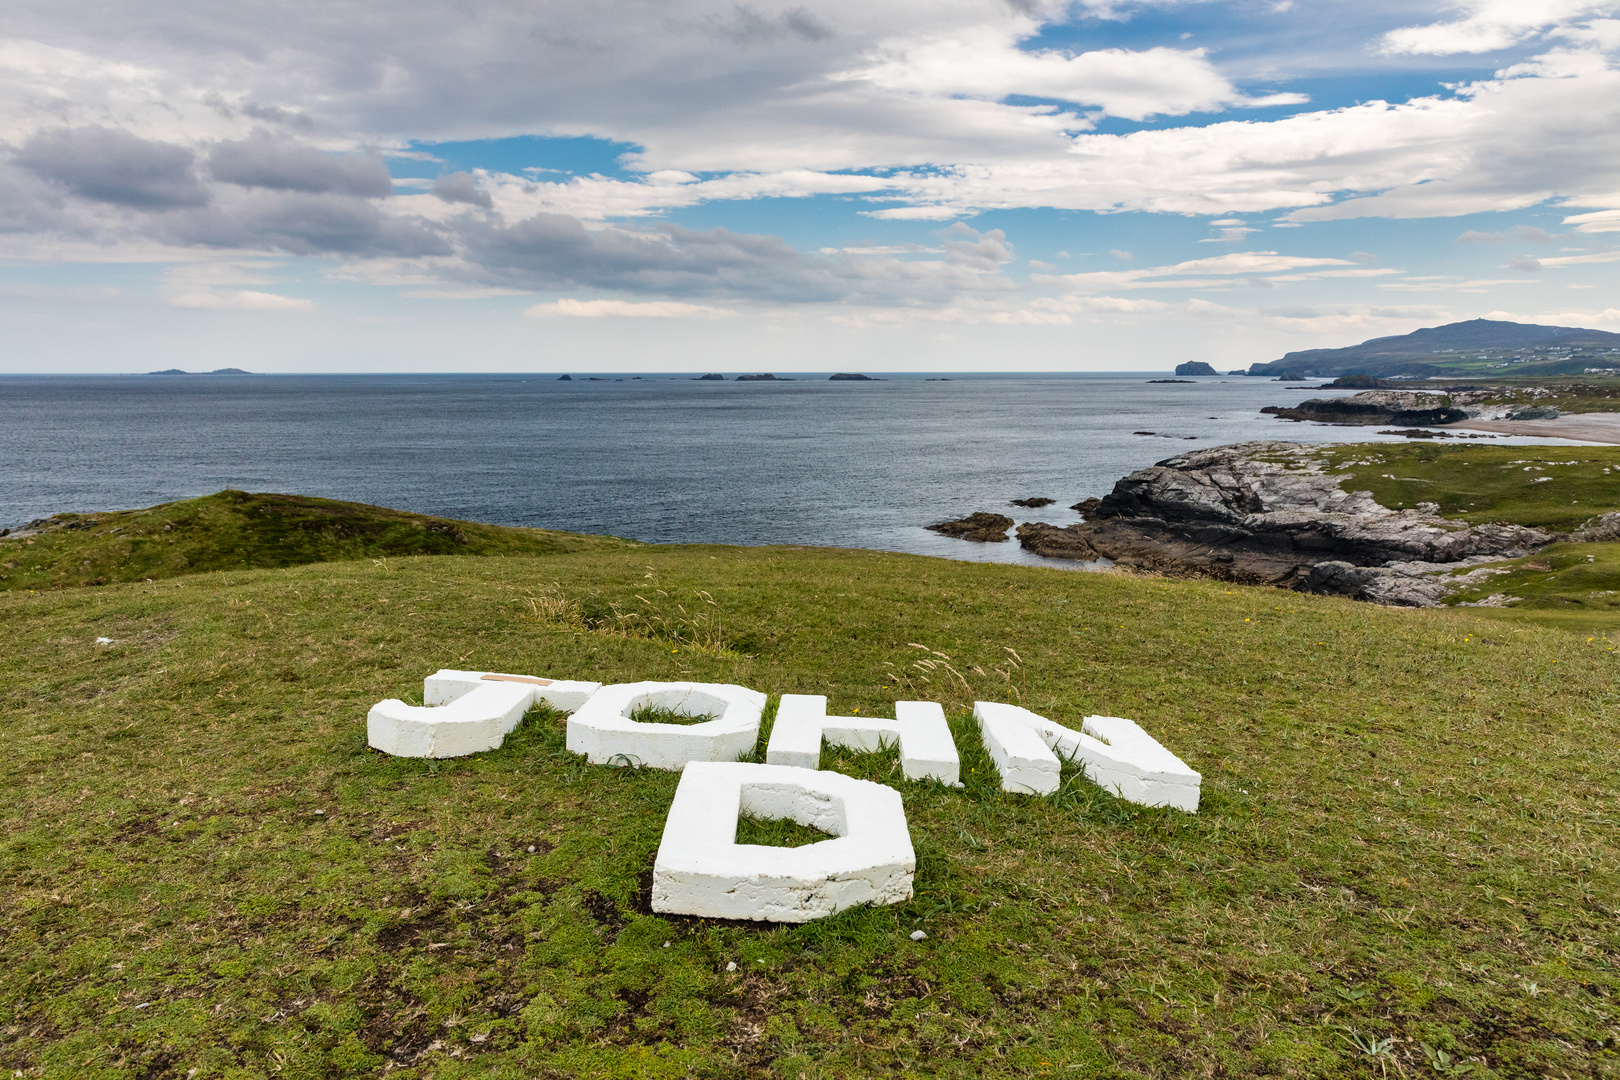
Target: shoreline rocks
x: 1394, y: 407
x: 1405, y: 408
x: 1268, y: 513
x: 981, y: 527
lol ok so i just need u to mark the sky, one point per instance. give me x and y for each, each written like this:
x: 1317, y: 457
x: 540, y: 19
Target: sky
x: 708, y: 185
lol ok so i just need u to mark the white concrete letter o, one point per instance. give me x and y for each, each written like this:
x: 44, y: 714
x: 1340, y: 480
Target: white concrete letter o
x: 603, y: 731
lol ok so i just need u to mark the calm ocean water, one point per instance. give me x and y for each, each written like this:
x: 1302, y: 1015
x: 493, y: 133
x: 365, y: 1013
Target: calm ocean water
x: 664, y: 459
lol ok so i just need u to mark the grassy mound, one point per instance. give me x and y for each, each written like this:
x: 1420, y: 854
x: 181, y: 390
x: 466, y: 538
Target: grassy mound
x: 1406, y: 846
x: 242, y: 530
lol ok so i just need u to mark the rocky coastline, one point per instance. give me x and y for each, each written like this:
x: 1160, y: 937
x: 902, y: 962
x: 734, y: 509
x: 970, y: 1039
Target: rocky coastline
x: 1269, y: 513
x: 1402, y: 408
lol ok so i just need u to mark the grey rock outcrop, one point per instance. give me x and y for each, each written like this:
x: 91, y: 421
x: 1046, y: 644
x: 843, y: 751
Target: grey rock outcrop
x: 1603, y: 528
x: 1268, y: 513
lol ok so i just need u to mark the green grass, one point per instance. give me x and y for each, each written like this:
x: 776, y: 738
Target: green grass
x: 1554, y: 488
x: 777, y: 832
x: 1573, y: 583
x: 1408, y: 832
x: 242, y: 530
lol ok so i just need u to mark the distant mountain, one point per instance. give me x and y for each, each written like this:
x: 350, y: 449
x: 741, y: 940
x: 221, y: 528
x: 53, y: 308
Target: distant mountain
x: 216, y: 371
x: 1478, y: 347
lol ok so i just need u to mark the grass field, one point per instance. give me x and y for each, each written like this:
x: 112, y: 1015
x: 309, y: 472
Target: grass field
x: 1405, y: 862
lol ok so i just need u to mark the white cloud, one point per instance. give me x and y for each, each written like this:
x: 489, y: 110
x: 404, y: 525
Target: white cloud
x: 1117, y: 82
x: 251, y: 131
x: 240, y: 300
x: 1094, y: 305
x: 1219, y: 271
x: 1450, y: 284
x: 1599, y: 221
x: 626, y: 309
x: 1491, y: 25
x: 733, y: 103
x: 1581, y: 260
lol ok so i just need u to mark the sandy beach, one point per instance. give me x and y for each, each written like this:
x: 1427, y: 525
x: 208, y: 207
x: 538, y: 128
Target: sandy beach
x: 1587, y: 427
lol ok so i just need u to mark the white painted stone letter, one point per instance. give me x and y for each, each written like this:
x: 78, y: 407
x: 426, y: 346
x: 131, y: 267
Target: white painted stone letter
x: 603, y: 731
x: 466, y: 712
x: 1026, y: 763
x: 1116, y: 754
x: 702, y: 870
x: 918, y: 727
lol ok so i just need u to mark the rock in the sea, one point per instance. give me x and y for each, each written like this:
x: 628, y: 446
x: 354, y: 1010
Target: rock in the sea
x: 1033, y: 504
x: 565, y: 378
x: 711, y: 377
x: 981, y: 527
x: 1394, y: 407
x: 761, y: 378
x: 1195, y: 367
x: 1268, y: 513
x: 844, y: 376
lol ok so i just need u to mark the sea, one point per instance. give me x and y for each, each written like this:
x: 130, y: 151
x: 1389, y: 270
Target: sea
x: 663, y: 459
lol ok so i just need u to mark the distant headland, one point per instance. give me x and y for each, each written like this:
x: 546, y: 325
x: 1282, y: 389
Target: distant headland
x: 1477, y: 348
x: 216, y: 371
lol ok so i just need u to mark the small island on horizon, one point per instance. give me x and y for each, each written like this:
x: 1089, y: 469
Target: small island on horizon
x: 216, y: 371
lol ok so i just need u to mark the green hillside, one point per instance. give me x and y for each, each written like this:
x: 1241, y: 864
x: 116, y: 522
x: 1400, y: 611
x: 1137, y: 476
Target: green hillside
x: 1406, y: 847
x: 241, y: 530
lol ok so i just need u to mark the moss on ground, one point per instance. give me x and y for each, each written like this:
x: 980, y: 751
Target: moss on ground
x: 1407, y: 834
x: 239, y: 530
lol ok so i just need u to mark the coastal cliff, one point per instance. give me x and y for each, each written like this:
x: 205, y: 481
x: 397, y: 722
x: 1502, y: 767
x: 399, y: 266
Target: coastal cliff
x: 1269, y: 513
